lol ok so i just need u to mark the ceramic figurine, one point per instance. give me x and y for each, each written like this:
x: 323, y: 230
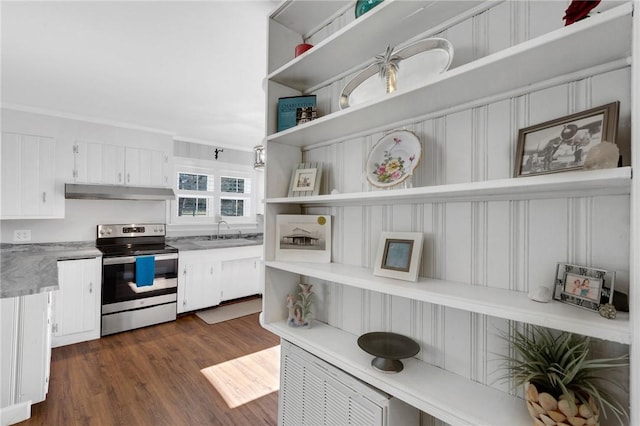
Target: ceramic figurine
x: 300, y: 310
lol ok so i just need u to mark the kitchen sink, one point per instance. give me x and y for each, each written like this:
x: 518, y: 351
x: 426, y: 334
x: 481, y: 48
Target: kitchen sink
x: 232, y: 242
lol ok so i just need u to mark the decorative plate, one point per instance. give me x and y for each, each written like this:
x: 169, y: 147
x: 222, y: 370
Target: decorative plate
x: 418, y: 61
x: 388, y: 349
x: 393, y: 158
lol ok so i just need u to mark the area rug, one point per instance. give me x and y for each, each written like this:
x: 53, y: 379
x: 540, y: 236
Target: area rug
x: 230, y: 311
x: 247, y: 378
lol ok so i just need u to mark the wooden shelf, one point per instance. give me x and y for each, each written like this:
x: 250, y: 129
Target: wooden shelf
x: 608, y: 36
x: 496, y: 302
x: 447, y: 396
x: 359, y: 41
x: 559, y: 185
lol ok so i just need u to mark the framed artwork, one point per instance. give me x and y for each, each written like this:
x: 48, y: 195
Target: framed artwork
x: 305, y: 180
x: 304, y: 238
x: 585, y: 287
x: 399, y: 255
x: 563, y: 144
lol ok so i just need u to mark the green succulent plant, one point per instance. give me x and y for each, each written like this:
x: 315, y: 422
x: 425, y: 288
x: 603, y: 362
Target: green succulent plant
x: 558, y: 363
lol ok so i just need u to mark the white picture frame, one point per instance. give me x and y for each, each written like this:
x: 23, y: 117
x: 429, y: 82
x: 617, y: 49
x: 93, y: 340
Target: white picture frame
x: 303, y: 238
x: 399, y: 255
x: 305, y: 179
x: 583, y: 286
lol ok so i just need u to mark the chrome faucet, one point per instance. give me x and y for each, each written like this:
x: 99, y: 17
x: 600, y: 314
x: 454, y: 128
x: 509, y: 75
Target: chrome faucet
x: 219, y: 222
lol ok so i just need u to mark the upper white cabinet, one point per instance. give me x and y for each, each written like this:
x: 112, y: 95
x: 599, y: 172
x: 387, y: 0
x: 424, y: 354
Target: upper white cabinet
x: 490, y: 238
x: 76, y: 304
x: 29, y: 186
x: 118, y: 165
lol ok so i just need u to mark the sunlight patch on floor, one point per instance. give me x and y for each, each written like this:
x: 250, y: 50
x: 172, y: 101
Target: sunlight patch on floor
x: 246, y: 378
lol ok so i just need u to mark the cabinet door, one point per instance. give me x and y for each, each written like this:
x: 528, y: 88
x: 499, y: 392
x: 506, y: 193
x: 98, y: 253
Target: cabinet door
x: 199, y: 285
x: 25, y: 349
x: 29, y: 177
x: 240, y: 278
x: 144, y: 167
x: 76, y: 305
x: 113, y: 164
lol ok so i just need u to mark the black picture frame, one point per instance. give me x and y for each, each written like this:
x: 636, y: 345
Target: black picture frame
x: 562, y: 144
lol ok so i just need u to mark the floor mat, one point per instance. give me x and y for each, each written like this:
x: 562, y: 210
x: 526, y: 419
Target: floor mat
x: 231, y: 311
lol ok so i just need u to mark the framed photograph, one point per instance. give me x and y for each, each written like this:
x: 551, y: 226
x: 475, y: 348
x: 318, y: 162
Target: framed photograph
x: 563, y: 144
x: 305, y: 179
x: 304, y: 238
x: 584, y: 287
x: 399, y: 255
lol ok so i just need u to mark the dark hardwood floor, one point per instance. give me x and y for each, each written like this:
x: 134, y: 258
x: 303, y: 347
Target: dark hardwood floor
x: 151, y: 376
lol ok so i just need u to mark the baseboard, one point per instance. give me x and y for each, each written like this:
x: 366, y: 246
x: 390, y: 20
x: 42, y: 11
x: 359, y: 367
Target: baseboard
x: 15, y: 413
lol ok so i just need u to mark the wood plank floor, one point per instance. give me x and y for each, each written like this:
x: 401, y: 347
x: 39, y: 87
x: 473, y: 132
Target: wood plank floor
x: 151, y: 376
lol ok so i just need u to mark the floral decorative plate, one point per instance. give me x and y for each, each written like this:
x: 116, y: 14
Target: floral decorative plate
x: 393, y: 158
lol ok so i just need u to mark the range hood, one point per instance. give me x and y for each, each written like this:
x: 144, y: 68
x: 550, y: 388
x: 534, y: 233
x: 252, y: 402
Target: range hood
x: 116, y: 192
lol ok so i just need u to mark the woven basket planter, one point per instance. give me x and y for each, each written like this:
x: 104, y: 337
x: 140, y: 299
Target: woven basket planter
x: 548, y: 410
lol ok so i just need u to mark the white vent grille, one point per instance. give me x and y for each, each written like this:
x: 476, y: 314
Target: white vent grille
x: 313, y: 392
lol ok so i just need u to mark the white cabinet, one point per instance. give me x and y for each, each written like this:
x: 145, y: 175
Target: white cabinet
x: 208, y: 277
x: 76, y: 304
x: 29, y: 186
x: 489, y: 238
x: 198, y: 280
x: 100, y: 163
x: 241, y: 277
x: 26, y: 354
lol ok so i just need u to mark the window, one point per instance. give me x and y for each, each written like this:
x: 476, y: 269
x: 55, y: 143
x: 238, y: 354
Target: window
x: 235, y: 196
x: 203, y: 195
x: 195, y: 194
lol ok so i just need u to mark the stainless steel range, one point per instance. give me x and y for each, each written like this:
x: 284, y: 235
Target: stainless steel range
x: 139, y: 276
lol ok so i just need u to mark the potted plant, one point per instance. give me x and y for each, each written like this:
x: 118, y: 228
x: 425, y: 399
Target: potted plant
x: 561, y: 382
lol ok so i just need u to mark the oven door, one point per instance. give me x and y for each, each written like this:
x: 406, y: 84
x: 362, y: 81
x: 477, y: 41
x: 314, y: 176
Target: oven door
x: 119, y: 287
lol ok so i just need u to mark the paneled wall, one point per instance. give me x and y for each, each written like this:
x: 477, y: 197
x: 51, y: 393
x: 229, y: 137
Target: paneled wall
x: 505, y: 244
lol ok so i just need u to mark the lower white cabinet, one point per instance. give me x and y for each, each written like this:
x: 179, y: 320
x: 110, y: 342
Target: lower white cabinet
x: 198, y: 282
x: 76, y: 304
x: 26, y: 355
x: 208, y: 277
x: 240, y: 278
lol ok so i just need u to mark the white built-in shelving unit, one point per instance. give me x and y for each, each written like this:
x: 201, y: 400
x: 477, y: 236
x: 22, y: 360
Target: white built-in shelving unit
x: 450, y: 397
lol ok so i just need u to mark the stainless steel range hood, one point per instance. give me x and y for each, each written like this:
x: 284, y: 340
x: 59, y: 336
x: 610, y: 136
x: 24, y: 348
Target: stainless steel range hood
x: 116, y: 192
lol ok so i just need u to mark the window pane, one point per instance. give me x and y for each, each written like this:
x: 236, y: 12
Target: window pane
x: 194, y: 182
x: 187, y: 181
x: 190, y: 206
x: 228, y: 184
x: 231, y: 207
x: 202, y: 183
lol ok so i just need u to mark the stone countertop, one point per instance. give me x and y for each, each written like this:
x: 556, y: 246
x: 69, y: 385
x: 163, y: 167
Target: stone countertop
x: 207, y: 243
x: 32, y: 268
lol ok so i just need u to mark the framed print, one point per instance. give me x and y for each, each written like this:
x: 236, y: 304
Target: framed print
x: 305, y: 179
x: 563, y: 144
x: 399, y: 255
x: 585, y: 287
x: 304, y: 238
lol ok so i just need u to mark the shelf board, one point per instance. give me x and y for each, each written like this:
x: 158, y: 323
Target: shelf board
x: 557, y: 185
x: 303, y: 17
x: 607, y: 34
x: 447, y: 396
x: 359, y: 41
x: 496, y: 302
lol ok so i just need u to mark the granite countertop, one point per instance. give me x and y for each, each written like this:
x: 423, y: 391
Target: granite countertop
x: 208, y: 243
x: 31, y: 268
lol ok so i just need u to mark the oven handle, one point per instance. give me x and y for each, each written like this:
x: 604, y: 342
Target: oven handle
x: 132, y: 259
